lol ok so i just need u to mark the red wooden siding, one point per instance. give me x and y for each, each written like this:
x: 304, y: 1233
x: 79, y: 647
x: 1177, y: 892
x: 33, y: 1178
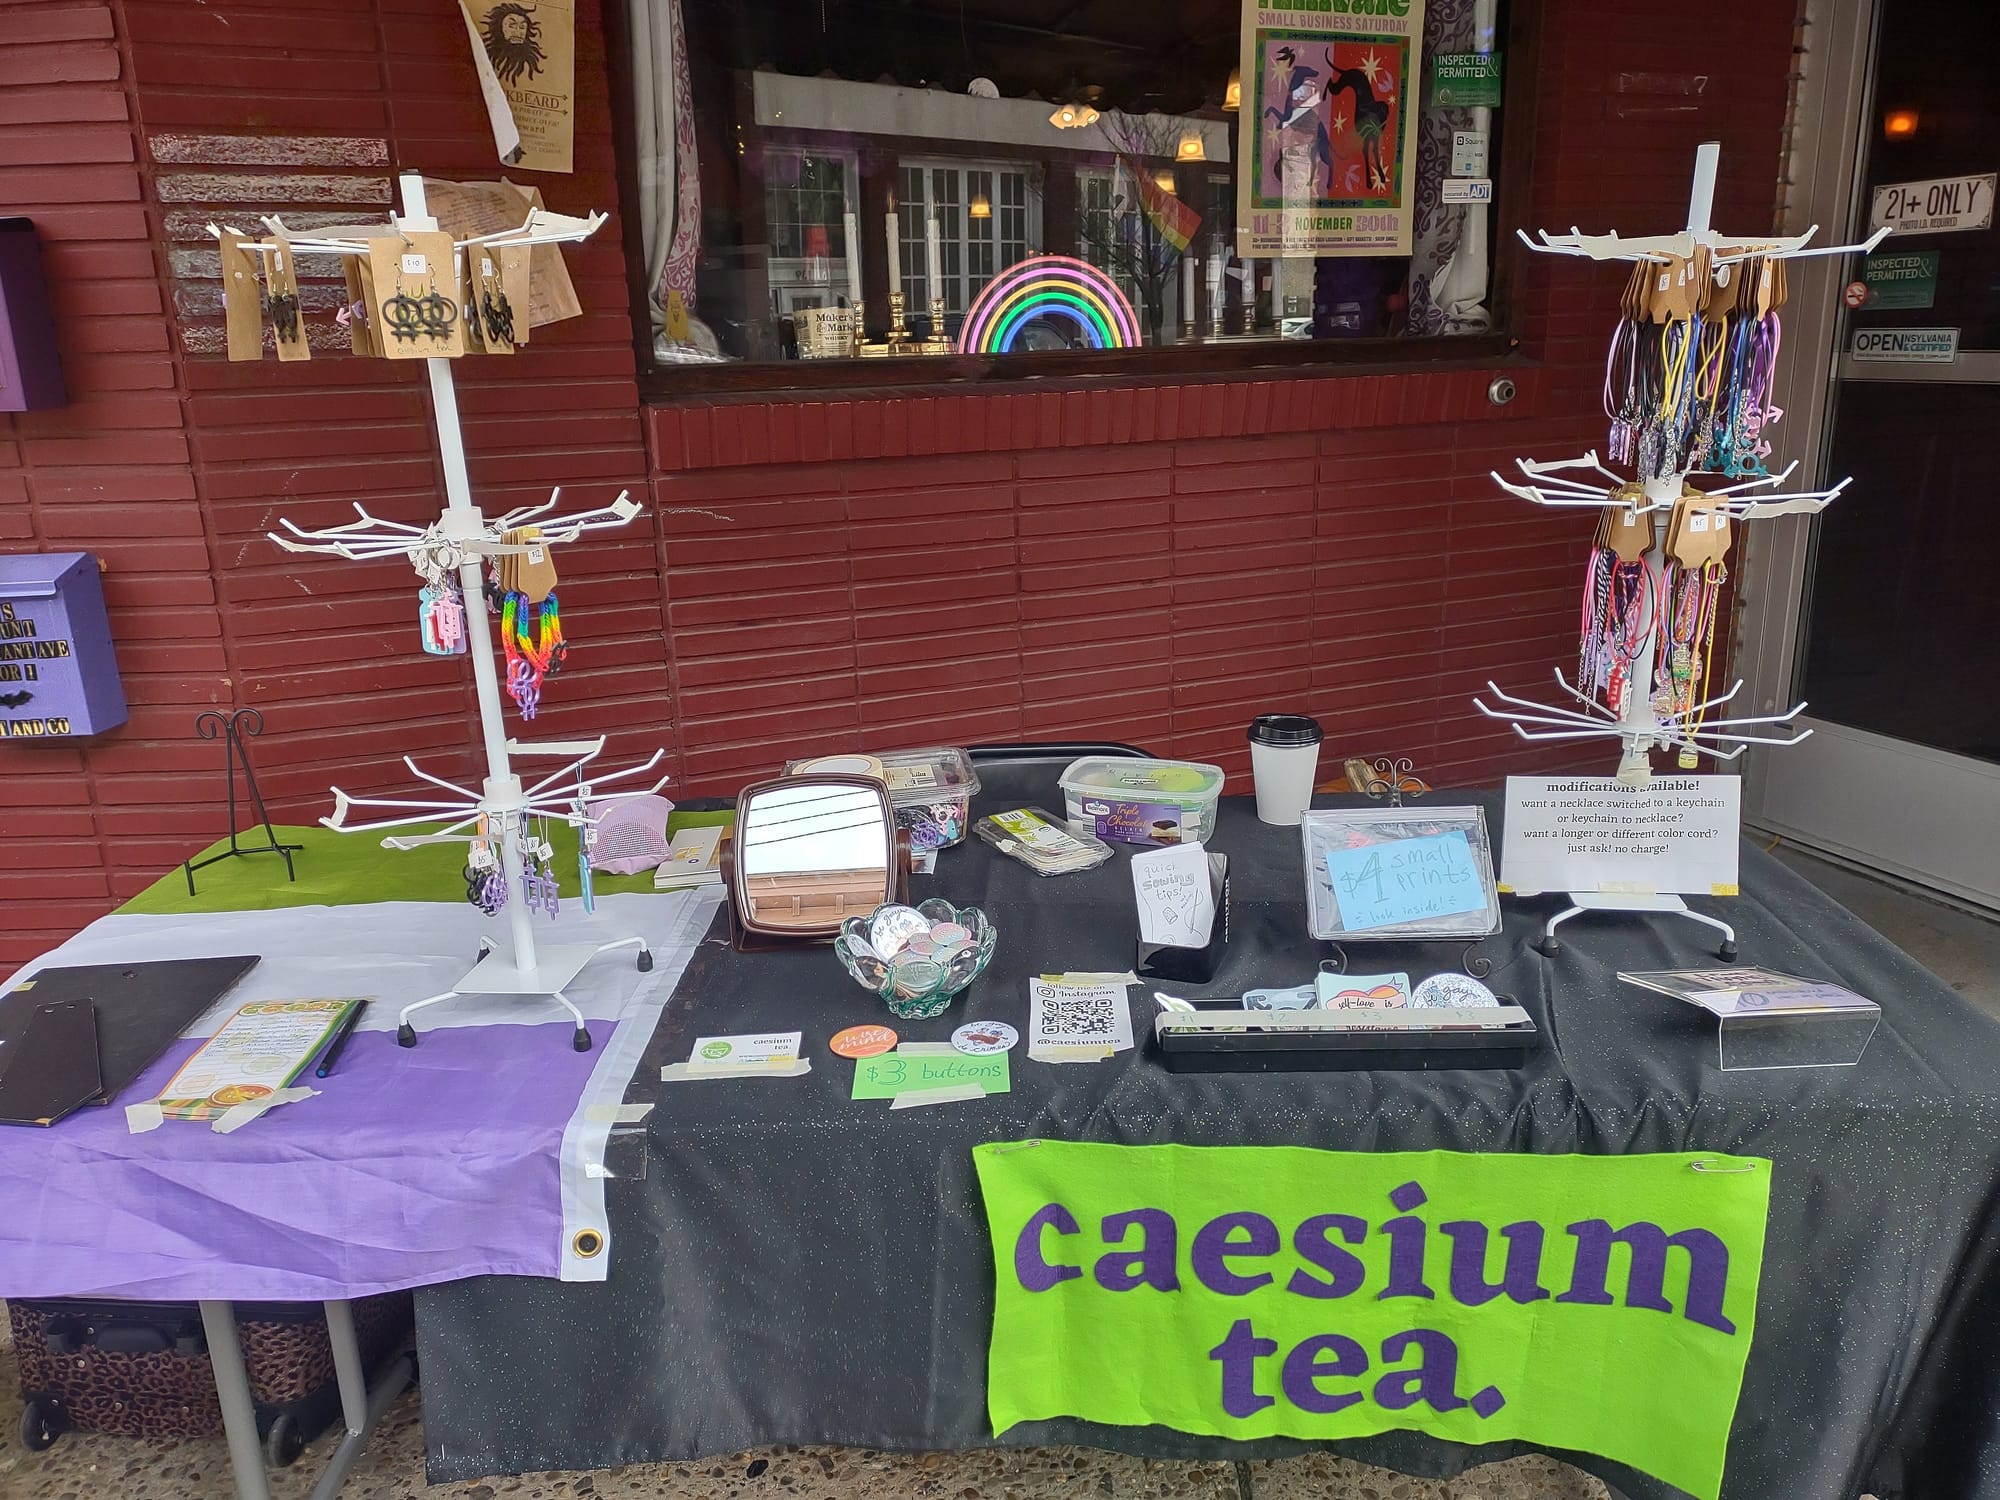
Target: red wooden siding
x: 1151, y: 562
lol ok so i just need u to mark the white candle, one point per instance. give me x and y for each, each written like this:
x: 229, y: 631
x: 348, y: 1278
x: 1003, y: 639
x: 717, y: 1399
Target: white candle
x: 936, y: 287
x: 852, y: 238
x: 1187, y: 287
x: 1215, y: 288
x: 1278, y: 295
x: 895, y: 237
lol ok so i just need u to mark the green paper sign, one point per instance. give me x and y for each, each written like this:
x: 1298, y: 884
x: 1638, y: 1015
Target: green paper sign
x: 1906, y: 278
x: 1465, y: 80
x: 1597, y: 1303
x: 891, y: 1074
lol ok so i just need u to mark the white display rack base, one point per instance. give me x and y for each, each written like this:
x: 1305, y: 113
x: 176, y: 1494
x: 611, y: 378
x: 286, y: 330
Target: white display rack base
x: 1586, y: 901
x: 556, y: 964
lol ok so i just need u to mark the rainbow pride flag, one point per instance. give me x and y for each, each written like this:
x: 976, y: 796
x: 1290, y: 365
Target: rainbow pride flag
x: 1175, y: 221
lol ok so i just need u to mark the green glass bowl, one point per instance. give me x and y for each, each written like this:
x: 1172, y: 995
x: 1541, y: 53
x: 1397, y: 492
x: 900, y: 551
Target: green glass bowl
x: 913, y: 986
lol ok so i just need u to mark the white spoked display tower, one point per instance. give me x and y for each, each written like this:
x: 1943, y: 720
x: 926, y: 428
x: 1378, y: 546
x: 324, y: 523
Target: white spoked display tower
x: 496, y: 821
x: 1638, y: 726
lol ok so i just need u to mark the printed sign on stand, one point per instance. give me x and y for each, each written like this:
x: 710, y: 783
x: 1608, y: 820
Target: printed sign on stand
x: 1674, y: 835
x: 1943, y: 205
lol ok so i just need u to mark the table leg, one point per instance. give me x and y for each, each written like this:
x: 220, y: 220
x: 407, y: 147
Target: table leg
x: 232, y: 1391
x: 360, y: 1407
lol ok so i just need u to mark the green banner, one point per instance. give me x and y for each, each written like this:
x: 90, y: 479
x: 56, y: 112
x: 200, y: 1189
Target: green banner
x: 1597, y: 1303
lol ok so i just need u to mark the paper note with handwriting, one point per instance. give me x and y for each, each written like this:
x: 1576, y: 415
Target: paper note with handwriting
x: 1176, y: 904
x: 1406, y: 880
x: 892, y: 1073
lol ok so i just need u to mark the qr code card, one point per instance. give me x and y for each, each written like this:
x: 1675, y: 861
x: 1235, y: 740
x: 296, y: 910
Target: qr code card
x: 1078, y: 1017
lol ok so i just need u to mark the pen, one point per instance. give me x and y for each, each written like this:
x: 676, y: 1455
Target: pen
x: 333, y: 1048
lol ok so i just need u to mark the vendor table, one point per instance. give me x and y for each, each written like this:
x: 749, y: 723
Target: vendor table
x: 793, y: 1267
x: 482, y: 1150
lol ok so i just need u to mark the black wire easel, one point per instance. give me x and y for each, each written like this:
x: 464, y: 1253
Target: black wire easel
x: 236, y: 730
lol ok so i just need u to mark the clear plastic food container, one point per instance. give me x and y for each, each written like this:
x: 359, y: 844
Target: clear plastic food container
x: 1142, y: 801
x: 931, y: 789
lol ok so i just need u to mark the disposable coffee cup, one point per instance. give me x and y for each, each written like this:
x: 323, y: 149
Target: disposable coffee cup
x: 1284, y: 762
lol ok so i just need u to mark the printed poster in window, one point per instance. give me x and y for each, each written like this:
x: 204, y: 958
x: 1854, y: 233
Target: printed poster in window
x: 1328, y: 129
x: 529, y: 49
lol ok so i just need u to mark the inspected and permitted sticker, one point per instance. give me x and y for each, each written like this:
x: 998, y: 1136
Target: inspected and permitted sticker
x: 862, y: 1041
x: 1914, y: 346
x: 978, y: 1037
x: 1907, y: 279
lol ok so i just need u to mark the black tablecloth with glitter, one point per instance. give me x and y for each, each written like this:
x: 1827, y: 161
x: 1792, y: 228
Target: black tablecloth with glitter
x: 793, y: 1267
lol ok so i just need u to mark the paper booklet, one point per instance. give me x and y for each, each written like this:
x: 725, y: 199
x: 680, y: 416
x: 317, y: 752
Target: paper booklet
x: 693, y: 859
x: 258, y: 1051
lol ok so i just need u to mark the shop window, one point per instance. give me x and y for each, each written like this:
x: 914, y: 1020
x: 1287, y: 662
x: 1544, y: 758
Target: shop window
x: 802, y: 158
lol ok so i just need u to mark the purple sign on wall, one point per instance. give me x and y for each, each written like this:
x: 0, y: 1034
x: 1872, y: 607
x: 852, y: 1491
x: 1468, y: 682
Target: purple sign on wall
x: 57, y: 673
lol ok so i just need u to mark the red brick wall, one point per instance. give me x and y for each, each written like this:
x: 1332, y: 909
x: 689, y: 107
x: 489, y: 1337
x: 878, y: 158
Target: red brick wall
x: 1156, y: 563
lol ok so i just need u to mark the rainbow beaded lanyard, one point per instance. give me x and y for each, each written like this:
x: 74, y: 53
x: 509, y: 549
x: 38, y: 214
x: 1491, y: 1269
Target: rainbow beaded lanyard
x: 530, y: 659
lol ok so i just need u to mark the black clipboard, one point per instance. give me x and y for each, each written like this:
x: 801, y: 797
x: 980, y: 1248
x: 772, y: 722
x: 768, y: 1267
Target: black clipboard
x: 52, y: 1062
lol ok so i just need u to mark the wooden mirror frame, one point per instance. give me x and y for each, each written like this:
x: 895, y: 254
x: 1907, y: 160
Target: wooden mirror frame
x: 746, y: 934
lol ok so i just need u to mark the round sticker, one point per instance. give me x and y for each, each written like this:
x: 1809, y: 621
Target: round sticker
x: 1855, y: 294
x: 1452, y: 990
x: 863, y: 1041
x: 239, y: 1093
x: 984, y: 1036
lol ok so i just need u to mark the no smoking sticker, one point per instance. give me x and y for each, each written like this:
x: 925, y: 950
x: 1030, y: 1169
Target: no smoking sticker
x: 1855, y: 294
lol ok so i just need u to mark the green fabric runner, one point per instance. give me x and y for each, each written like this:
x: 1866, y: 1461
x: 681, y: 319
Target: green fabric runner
x: 346, y: 869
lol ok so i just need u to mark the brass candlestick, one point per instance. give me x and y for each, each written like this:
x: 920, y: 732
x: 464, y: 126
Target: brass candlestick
x: 860, y: 330
x: 898, y: 334
x: 937, y: 343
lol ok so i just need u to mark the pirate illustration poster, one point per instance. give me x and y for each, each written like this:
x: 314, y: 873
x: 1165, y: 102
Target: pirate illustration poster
x: 528, y: 49
x: 1327, y: 154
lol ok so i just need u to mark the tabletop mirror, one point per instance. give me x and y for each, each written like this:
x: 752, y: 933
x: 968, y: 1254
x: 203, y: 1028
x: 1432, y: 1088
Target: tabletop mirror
x: 809, y: 852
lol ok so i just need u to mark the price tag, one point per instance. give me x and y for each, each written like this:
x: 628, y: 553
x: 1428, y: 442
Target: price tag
x: 415, y: 265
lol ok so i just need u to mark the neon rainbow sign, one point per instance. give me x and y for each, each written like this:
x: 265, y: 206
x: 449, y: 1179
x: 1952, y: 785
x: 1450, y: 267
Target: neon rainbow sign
x: 1049, y: 286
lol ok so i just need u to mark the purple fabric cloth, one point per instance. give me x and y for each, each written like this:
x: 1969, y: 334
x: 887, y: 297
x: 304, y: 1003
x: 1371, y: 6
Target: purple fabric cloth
x: 413, y: 1166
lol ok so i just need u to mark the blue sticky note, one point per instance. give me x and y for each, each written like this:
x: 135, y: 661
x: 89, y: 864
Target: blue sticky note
x: 1407, y: 880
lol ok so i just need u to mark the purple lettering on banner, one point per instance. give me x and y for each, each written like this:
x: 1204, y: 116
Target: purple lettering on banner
x: 1521, y: 1279
x: 1214, y: 1243
x: 1238, y: 1354
x: 1314, y: 1246
x: 1034, y: 1273
x: 1152, y: 1264
x: 1406, y: 1247
x: 1304, y: 1370
x: 1434, y: 1380
x: 1646, y: 1281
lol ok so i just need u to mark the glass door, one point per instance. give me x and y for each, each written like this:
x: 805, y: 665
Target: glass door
x: 1898, y: 633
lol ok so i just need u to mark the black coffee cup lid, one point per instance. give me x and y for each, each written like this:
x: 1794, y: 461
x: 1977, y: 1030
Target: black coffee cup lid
x: 1285, y: 730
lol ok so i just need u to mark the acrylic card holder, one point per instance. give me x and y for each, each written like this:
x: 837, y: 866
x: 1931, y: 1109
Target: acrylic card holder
x: 1381, y: 874
x: 1766, y: 1020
